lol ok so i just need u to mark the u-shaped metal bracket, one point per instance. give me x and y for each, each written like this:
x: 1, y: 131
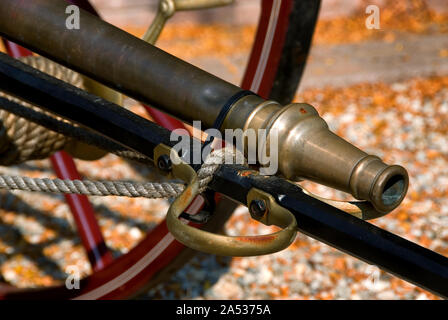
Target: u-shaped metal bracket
x: 228, y: 245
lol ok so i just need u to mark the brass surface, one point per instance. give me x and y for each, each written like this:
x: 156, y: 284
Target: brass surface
x: 360, y: 209
x: 307, y: 149
x: 167, y: 8
x: 159, y: 151
x: 225, y: 245
x: 200, y: 4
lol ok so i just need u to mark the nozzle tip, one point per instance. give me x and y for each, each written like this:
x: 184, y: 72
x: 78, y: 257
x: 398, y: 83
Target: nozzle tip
x: 390, y: 188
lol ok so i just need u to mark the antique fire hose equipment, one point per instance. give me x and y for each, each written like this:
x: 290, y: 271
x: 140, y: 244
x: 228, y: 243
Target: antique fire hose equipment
x: 307, y: 149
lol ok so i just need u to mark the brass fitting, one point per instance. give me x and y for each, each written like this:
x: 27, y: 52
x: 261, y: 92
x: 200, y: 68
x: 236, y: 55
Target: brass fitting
x: 307, y: 149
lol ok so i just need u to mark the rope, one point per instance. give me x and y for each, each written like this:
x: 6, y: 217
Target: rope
x: 69, y: 130
x: 21, y: 140
x: 119, y: 188
x: 92, y: 188
x: 213, y: 161
x: 28, y: 133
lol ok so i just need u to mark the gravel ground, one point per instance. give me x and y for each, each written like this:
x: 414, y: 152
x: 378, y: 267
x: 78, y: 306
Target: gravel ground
x: 404, y: 122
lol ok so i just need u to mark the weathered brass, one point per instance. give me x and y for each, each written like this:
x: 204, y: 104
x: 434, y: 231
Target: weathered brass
x: 159, y: 151
x: 84, y: 151
x: 167, y: 8
x: 307, y: 149
x: 275, y: 214
x: 200, y: 4
x: 360, y: 209
x: 219, y: 244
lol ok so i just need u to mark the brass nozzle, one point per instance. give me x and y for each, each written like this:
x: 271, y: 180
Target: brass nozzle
x: 307, y: 149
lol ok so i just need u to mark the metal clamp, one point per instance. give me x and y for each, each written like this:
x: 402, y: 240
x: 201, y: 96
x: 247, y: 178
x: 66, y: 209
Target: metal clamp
x: 358, y: 208
x: 225, y: 245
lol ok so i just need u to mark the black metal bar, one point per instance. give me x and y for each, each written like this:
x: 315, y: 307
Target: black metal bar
x: 396, y: 255
x: 67, y: 101
x: 369, y: 243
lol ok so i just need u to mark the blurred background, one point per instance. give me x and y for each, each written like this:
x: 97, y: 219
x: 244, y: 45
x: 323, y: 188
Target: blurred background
x: 384, y: 90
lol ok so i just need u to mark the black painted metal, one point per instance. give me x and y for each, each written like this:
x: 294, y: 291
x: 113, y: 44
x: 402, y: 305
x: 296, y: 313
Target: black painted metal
x: 81, y: 107
x: 396, y: 255
x: 342, y: 231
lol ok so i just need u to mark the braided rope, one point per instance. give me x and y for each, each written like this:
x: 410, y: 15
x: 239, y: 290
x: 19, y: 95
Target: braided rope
x: 119, y: 188
x: 22, y: 140
x: 92, y: 188
x: 70, y: 131
x: 214, y: 160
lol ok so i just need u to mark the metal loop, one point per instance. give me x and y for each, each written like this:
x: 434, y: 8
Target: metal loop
x: 225, y: 245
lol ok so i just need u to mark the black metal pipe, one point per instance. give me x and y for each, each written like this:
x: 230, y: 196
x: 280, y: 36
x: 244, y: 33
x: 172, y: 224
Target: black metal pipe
x: 116, y: 58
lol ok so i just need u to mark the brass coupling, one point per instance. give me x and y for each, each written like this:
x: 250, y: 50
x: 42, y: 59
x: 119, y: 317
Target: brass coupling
x: 307, y: 149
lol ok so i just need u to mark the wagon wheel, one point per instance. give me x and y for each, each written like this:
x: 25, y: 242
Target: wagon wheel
x: 274, y: 70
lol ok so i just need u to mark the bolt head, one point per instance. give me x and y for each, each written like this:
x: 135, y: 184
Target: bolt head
x: 258, y: 208
x: 164, y: 163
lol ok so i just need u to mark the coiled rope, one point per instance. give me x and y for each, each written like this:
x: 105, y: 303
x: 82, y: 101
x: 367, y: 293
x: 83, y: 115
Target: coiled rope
x: 68, y: 130
x: 22, y: 140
